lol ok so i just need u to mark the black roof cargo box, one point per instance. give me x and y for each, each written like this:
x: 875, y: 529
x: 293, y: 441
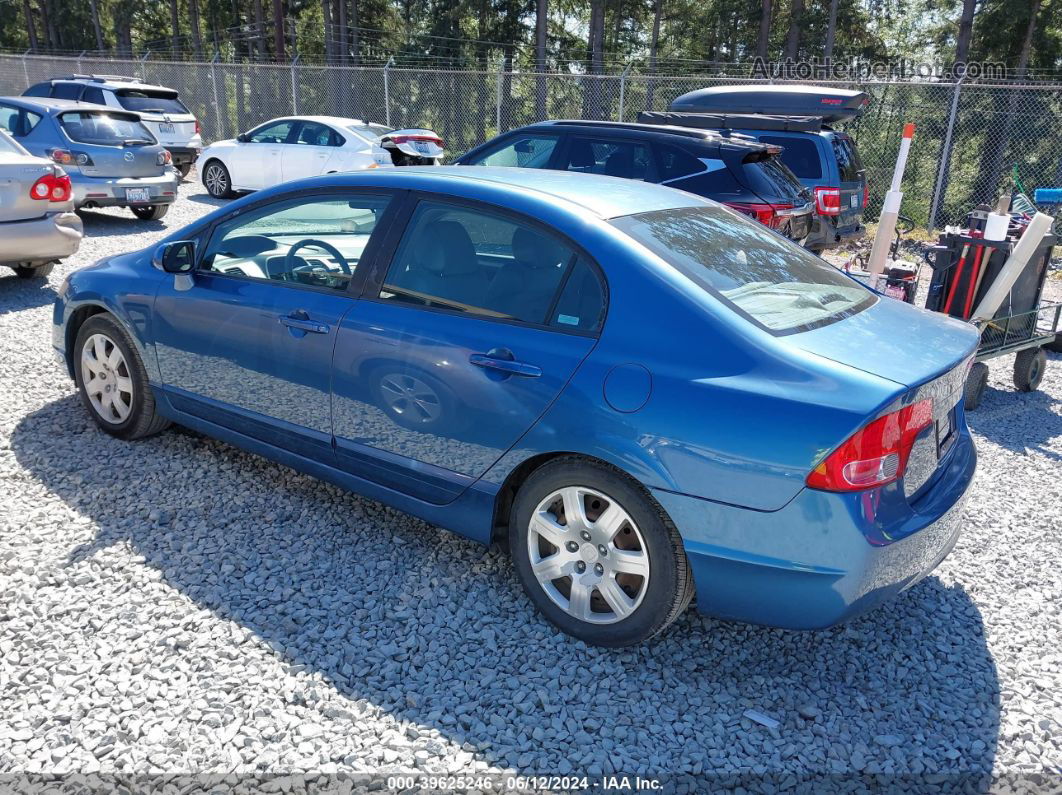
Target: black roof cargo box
x: 723, y: 121
x: 829, y: 104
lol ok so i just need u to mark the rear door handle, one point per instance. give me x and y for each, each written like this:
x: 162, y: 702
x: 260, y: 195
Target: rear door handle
x: 502, y: 360
x: 303, y: 324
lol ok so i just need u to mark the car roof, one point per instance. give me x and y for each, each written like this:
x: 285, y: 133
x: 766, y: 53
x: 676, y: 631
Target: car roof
x: 690, y: 134
x: 604, y: 197
x: 108, y: 81
x: 53, y: 106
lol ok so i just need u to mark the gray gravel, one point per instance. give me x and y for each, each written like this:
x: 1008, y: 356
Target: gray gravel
x: 176, y: 605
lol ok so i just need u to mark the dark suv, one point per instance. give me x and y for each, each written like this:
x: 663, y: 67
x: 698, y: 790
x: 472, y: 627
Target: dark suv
x: 736, y: 171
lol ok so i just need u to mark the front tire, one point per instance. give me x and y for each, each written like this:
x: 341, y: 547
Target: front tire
x: 152, y: 212
x: 596, y: 555
x: 112, y: 382
x: 217, y: 181
x: 34, y: 271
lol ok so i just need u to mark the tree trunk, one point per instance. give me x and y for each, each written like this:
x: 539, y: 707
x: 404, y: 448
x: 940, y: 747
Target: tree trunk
x: 654, y: 44
x: 344, y: 40
x: 197, y: 33
x: 259, y: 31
x: 175, y: 30
x: 962, y: 43
x: 48, y: 23
x: 541, y: 88
x: 763, y: 41
x: 354, y: 39
x: 596, y: 46
x: 792, y: 41
x: 831, y: 30
x: 326, y: 14
x: 278, y: 29
x: 96, y: 29
x: 31, y: 28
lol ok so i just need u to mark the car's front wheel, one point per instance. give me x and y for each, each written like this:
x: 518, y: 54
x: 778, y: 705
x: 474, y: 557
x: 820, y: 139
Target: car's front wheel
x: 217, y: 181
x: 598, y: 557
x: 151, y: 212
x: 112, y: 381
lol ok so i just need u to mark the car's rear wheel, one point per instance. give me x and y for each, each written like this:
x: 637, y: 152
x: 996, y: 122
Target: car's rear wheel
x: 112, y: 381
x: 1029, y: 366
x: 976, y: 383
x: 217, y: 181
x: 151, y: 212
x: 34, y: 271
x: 184, y: 169
x: 597, y: 556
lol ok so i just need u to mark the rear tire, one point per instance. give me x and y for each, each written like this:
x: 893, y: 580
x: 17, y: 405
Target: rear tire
x: 112, y: 382
x: 976, y: 383
x: 217, y: 181
x: 34, y: 271
x: 1029, y: 366
x: 184, y: 170
x: 152, y: 212
x: 598, y: 594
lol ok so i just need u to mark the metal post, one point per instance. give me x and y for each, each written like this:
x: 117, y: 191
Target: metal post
x: 945, y: 157
x: 387, y: 90
x: 143, y: 67
x: 498, y: 96
x: 25, y: 71
x: 79, y: 57
x: 623, y: 88
x: 294, y: 93
x: 214, y: 84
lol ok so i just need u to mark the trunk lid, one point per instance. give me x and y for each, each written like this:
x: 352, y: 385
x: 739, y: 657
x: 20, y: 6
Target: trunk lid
x: 122, y: 161
x: 893, y: 340
x: 18, y: 172
x: 171, y: 130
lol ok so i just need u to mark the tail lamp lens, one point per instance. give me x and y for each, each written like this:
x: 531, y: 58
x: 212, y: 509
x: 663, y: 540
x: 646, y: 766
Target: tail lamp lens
x: 866, y: 194
x: 65, y: 157
x: 164, y: 158
x: 198, y: 128
x: 51, y: 188
x: 767, y: 214
x: 876, y: 454
x: 827, y: 200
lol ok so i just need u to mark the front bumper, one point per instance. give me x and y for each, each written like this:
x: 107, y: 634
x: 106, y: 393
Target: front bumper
x: 183, y: 155
x: 823, y: 558
x: 110, y: 191
x: 51, y: 237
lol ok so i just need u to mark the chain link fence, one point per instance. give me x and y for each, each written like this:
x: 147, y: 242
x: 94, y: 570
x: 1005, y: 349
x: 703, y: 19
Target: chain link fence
x: 970, y: 140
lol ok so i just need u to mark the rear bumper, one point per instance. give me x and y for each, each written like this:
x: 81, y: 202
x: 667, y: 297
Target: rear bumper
x: 824, y: 558
x: 51, y: 237
x: 826, y: 233
x: 110, y: 192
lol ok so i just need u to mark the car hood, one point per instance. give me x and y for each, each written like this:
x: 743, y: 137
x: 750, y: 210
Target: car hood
x: 893, y: 340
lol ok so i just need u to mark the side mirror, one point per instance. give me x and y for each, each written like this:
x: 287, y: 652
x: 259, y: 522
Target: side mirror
x: 242, y: 138
x: 175, y: 257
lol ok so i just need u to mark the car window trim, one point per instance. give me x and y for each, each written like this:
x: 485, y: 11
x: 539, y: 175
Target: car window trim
x: 371, y: 286
x: 360, y: 275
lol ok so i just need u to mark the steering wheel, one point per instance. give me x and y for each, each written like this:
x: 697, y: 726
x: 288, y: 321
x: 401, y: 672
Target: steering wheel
x: 289, y: 260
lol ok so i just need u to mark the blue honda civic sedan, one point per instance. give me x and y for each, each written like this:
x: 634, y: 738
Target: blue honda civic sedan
x: 645, y: 395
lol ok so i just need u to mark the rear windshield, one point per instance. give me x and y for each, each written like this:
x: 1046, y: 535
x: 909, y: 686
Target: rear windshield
x: 800, y: 154
x: 848, y: 163
x: 150, y: 101
x: 370, y: 131
x: 774, y: 182
x: 778, y: 285
x: 104, y: 129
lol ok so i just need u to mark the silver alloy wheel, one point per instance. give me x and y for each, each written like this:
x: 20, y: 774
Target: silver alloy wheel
x: 588, y: 555
x: 106, y: 377
x: 216, y: 180
x: 409, y: 396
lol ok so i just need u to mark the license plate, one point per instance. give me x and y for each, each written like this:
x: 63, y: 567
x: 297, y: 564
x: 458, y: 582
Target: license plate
x: 166, y: 129
x: 945, y: 434
x: 421, y: 147
x: 855, y: 200
x: 137, y: 195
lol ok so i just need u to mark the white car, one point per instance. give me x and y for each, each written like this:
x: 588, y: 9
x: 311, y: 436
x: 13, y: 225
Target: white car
x: 294, y: 147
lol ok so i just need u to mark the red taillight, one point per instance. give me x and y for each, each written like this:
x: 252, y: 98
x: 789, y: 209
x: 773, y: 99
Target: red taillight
x: 827, y: 200
x: 874, y: 455
x: 866, y: 194
x: 51, y: 188
x: 769, y: 215
x: 198, y: 129
x: 401, y: 139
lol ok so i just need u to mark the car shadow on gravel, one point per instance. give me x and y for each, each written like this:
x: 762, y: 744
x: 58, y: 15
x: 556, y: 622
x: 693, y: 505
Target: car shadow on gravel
x: 17, y: 294
x: 208, y: 200
x: 1020, y: 421
x: 434, y: 630
x: 99, y: 224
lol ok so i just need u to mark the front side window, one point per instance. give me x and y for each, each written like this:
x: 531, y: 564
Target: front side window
x: 521, y: 151
x: 611, y: 158
x: 148, y: 101
x: 316, y: 242
x: 482, y: 263
x: 272, y: 133
x: 775, y: 283
x: 104, y: 129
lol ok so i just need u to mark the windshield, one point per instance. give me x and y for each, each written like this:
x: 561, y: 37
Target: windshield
x: 104, y: 129
x: 151, y: 101
x: 773, y: 282
x: 369, y: 131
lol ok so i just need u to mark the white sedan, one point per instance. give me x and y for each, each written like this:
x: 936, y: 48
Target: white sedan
x: 294, y: 147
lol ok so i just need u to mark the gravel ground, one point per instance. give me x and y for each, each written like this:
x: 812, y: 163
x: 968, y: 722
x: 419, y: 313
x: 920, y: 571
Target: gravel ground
x: 175, y: 605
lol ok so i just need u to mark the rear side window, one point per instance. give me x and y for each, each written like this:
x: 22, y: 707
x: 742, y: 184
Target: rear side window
x: 18, y: 122
x: 93, y: 94
x: 773, y: 181
x: 66, y: 90
x: 848, y: 163
x: 520, y: 151
x: 39, y: 90
x: 676, y: 164
x: 612, y: 158
x: 146, y: 101
x: 773, y: 282
x: 801, y: 155
x: 104, y: 129
x: 581, y: 304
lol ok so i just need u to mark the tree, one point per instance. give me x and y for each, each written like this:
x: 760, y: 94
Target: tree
x: 966, y: 20
x: 175, y: 29
x: 541, y: 15
x: 792, y: 41
x: 31, y: 28
x: 96, y: 29
x: 654, y: 44
x: 197, y: 34
x: 831, y: 30
x: 764, y: 38
x: 278, y: 29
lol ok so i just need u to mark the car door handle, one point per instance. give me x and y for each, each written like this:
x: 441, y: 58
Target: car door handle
x: 498, y: 360
x: 304, y: 324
